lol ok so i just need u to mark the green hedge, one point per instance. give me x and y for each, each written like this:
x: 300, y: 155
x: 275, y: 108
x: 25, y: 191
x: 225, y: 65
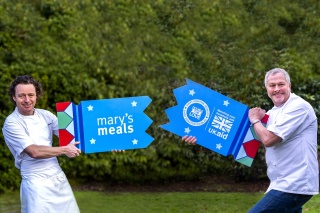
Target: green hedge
x: 85, y: 50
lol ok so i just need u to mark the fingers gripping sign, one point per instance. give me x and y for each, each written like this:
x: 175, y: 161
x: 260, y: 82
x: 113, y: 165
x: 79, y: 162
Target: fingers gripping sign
x: 256, y: 114
x: 72, y: 151
x: 190, y: 139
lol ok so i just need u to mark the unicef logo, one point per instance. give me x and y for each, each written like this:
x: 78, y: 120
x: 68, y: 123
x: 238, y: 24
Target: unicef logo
x: 196, y: 112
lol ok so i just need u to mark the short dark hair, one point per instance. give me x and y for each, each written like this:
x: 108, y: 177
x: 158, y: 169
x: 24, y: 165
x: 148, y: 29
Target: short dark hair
x: 24, y: 79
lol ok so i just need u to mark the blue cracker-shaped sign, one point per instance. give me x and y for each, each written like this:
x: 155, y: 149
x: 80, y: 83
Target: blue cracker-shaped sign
x: 105, y: 125
x: 219, y: 123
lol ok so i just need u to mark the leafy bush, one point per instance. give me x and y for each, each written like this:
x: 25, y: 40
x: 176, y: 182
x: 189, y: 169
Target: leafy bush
x: 85, y: 50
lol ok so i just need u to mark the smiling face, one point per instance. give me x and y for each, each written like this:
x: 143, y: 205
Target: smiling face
x: 278, y: 88
x: 25, y: 98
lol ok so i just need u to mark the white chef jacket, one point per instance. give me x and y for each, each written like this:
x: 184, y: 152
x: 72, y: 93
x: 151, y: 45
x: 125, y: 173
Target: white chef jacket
x: 292, y: 163
x: 44, y: 186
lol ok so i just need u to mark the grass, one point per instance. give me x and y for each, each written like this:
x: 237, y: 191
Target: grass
x: 173, y: 202
x: 10, y: 202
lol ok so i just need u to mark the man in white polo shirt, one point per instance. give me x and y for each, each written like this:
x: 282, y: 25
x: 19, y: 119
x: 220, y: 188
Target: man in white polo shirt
x: 290, y: 139
x: 28, y: 134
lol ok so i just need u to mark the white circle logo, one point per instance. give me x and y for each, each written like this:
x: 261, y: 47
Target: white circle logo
x: 196, y: 113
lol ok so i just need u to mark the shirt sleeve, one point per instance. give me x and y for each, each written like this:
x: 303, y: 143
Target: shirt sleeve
x: 55, y: 127
x: 288, y: 121
x: 16, y: 137
x: 52, y: 120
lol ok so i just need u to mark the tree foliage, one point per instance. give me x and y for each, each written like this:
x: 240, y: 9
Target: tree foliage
x: 86, y: 50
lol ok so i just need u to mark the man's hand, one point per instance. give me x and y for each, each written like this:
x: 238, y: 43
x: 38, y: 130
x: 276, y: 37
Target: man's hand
x: 256, y: 114
x: 71, y: 150
x: 116, y: 150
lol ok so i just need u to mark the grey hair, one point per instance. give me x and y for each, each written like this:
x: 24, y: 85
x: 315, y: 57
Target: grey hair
x: 275, y: 71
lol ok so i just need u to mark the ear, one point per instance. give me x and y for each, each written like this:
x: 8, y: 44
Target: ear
x: 14, y: 98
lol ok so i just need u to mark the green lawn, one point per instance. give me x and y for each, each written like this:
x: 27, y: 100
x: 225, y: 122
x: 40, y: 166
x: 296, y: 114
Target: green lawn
x: 173, y: 202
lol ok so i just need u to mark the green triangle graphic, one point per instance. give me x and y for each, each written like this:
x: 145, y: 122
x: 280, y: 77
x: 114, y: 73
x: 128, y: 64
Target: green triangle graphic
x: 246, y: 161
x: 63, y: 120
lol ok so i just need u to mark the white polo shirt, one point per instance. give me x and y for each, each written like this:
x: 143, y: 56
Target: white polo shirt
x: 292, y: 163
